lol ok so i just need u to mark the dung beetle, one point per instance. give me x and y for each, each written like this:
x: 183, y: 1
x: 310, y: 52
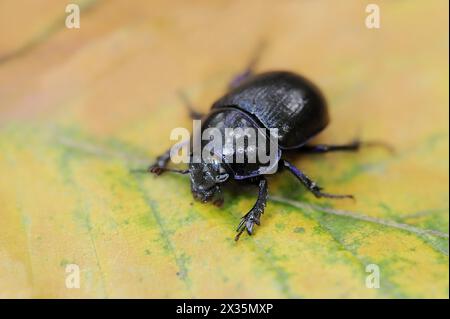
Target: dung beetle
x: 279, y: 99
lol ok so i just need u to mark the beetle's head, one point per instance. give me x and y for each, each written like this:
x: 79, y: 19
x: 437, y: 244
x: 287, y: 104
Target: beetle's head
x: 206, y: 179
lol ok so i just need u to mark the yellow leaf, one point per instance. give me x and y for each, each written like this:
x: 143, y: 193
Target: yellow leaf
x: 81, y: 109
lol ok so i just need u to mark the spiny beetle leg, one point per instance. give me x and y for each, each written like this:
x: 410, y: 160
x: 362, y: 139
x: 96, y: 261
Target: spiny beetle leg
x: 254, y: 215
x: 310, y: 184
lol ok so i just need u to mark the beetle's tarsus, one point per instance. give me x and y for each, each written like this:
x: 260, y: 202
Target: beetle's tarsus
x: 353, y: 146
x: 160, y: 164
x: 156, y: 170
x: 236, y: 238
x: 336, y: 196
x: 246, y: 223
x: 325, y: 148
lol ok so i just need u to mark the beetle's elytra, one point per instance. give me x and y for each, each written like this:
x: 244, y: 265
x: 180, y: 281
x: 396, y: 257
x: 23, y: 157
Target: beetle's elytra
x: 279, y: 99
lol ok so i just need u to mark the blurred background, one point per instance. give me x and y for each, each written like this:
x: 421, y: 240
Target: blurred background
x: 80, y: 108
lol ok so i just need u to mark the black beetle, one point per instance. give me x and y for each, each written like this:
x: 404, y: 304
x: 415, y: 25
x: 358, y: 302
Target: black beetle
x: 279, y: 99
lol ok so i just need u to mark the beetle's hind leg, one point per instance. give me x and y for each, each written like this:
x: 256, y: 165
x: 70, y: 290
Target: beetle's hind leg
x: 241, y: 77
x: 254, y: 215
x: 193, y: 114
x: 310, y: 184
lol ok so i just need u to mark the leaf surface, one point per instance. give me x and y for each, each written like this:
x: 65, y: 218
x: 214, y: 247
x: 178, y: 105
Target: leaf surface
x: 81, y: 110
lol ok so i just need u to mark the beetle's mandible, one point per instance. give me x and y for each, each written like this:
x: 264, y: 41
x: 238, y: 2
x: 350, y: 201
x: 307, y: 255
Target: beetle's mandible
x: 278, y: 99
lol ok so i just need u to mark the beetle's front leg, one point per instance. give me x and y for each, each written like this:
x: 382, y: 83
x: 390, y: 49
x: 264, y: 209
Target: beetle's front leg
x: 254, y: 215
x: 160, y: 164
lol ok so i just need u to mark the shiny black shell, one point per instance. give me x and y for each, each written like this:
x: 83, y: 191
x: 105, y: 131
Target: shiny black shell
x: 282, y: 100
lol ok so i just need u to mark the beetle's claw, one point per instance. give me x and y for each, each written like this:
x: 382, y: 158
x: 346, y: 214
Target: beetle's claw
x: 157, y: 170
x: 236, y: 238
x: 247, y: 222
x: 241, y: 223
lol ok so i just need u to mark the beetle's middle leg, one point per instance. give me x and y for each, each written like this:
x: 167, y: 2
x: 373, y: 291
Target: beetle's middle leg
x: 310, y: 184
x: 193, y: 114
x: 324, y: 148
x: 254, y: 215
x: 349, y: 147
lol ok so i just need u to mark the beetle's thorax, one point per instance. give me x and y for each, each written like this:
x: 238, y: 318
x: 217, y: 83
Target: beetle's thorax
x: 243, y: 139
